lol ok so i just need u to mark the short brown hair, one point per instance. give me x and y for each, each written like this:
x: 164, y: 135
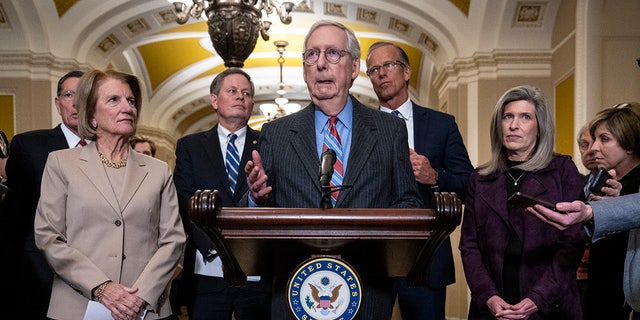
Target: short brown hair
x: 140, y: 139
x: 216, y: 84
x: 623, y: 121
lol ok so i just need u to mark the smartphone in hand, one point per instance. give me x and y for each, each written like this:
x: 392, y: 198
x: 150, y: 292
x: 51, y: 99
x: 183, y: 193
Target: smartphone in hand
x: 600, y: 177
x: 522, y: 200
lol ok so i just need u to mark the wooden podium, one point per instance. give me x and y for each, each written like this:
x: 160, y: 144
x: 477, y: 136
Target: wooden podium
x: 273, y: 241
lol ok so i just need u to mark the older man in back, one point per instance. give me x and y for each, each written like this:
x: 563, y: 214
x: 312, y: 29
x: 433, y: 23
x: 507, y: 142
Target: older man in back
x: 31, y: 277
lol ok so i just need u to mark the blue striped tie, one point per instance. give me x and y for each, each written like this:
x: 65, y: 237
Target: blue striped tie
x: 232, y: 162
x: 397, y: 114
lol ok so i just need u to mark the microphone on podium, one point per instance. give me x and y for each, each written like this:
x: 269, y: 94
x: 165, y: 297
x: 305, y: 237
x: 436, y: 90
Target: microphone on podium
x: 327, y: 160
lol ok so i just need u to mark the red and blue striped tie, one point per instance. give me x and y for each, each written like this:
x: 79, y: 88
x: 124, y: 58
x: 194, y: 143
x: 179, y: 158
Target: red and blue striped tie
x: 332, y: 141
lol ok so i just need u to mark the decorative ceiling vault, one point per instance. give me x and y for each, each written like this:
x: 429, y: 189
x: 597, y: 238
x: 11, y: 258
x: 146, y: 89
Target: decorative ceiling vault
x: 177, y: 62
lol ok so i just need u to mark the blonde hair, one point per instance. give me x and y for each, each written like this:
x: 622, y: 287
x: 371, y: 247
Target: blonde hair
x: 87, y: 97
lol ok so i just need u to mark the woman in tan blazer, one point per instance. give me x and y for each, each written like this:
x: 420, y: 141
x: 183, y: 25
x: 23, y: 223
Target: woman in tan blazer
x: 108, y: 220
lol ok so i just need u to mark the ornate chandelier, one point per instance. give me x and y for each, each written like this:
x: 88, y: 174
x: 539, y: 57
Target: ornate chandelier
x: 282, y: 107
x: 234, y: 24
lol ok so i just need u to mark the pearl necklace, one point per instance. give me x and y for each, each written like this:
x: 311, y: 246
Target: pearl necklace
x: 115, y: 165
x: 515, y: 181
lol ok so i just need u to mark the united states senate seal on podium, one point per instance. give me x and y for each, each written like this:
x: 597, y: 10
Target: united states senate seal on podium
x: 324, y: 288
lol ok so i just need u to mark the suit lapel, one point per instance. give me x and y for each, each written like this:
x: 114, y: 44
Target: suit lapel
x: 215, y: 160
x: 133, y: 176
x: 532, y: 186
x: 498, y: 201
x: 304, y: 142
x: 211, y: 145
x: 250, y: 144
x: 58, y: 141
x: 91, y: 166
x: 364, y: 138
x: 421, y: 128
x: 214, y: 164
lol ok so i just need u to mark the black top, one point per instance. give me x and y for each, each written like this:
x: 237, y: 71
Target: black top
x: 513, y: 252
x: 605, y: 295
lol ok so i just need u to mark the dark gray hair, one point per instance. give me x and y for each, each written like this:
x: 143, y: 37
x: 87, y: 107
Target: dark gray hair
x: 71, y: 74
x: 543, y: 152
x: 403, y: 55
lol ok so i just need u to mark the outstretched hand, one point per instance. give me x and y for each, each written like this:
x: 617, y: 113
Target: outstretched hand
x: 257, y: 179
x: 566, y: 214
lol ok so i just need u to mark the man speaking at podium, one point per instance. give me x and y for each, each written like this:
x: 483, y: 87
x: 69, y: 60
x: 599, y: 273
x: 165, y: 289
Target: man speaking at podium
x: 372, y: 156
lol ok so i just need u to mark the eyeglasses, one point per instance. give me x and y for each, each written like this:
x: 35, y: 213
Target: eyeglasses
x: 68, y: 95
x: 387, y: 66
x: 332, y: 55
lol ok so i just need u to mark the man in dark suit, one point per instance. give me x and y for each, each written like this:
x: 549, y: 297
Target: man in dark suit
x: 30, y: 277
x: 440, y: 163
x: 200, y: 165
x: 371, y: 145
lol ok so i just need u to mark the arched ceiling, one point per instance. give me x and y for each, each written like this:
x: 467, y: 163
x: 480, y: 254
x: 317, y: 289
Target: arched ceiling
x: 177, y: 62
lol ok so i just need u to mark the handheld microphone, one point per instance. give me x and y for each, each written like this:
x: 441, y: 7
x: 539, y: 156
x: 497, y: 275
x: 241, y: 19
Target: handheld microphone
x: 327, y: 160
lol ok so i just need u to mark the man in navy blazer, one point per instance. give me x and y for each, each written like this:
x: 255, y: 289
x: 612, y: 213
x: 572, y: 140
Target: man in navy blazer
x: 30, y: 277
x: 375, y: 155
x: 440, y: 163
x: 200, y: 165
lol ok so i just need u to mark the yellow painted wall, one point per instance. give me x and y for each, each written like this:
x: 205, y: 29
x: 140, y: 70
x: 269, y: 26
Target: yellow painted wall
x: 564, y: 116
x: 6, y: 115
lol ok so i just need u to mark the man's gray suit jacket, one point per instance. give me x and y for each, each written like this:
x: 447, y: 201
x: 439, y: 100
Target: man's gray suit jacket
x: 616, y: 215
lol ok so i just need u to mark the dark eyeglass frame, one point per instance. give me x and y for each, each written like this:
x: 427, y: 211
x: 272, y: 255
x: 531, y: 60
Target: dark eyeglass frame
x: 333, y: 55
x: 387, y: 65
x: 67, y: 95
